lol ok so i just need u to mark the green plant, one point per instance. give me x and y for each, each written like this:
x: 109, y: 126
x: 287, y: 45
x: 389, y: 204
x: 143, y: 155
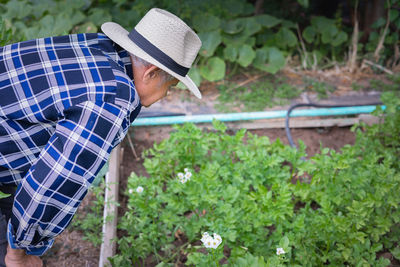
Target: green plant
x: 286, y: 91
x: 252, y: 98
x: 337, y: 208
x: 212, y: 199
x: 90, y: 221
x: 243, y: 43
x: 5, y: 34
x: 2, y: 195
x: 356, y: 87
x: 233, y: 37
x: 258, y: 95
x: 321, y: 88
x: 326, y: 39
x: 391, y: 85
x: 384, y: 38
x: 385, y: 135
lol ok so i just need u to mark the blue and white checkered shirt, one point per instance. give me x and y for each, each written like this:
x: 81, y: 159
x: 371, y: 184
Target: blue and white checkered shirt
x: 65, y: 102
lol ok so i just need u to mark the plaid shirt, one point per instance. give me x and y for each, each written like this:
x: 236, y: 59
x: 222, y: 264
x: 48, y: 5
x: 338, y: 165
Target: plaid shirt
x: 65, y: 102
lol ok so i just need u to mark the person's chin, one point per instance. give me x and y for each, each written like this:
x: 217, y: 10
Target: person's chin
x: 146, y: 105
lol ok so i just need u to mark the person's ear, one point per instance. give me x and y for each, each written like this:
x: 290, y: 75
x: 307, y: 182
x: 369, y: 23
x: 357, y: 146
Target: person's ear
x: 150, y: 73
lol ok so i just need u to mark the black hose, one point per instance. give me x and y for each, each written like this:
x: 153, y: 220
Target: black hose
x: 157, y: 113
x: 292, y: 107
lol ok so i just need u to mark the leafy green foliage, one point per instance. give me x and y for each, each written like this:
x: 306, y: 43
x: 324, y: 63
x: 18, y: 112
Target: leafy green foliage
x: 338, y: 208
x: 5, y: 34
x: 2, y: 195
x: 304, y: 3
x: 325, y: 31
x: 325, y: 38
x: 391, y: 35
x: 238, y: 36
x: 385, y: 135
x: 90, y: 222
x: 229, y: 30
x: 269, y: 59
x: 214, y: 70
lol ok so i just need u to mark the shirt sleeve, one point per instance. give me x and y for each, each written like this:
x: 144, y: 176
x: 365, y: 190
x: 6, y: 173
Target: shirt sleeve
x: 50, y: 193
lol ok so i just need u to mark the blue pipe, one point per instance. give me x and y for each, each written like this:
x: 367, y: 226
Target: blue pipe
x: 254, y: 115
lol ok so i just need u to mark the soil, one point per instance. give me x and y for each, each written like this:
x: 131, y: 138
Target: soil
x: 70, y: 250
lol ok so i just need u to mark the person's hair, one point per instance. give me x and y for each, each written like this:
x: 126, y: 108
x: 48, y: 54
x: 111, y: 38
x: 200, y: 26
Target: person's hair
x: 137, y: 61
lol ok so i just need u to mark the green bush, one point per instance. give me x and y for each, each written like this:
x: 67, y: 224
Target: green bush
x: 232, y: 35
x: 325, y: 38
x: 90, y: 221
x: 391, y: 38
x: 338, y: 208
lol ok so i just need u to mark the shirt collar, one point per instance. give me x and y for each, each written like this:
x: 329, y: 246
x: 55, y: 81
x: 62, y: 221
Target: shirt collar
x: 125, y: 60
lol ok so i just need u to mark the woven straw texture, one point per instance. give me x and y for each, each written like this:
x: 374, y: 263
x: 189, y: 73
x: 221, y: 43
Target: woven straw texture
x: 169, y: 34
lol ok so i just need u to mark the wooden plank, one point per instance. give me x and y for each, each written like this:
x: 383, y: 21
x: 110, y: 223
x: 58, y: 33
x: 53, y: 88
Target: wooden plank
x: 108, y: 246
x: 295, y: 122
x: 302, y: 123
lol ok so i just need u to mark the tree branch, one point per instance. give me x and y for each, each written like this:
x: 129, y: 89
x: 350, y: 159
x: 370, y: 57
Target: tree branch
x: 303, y: 47
x: 353, y: 49
x: 382, y: 38
x: 365, y: 61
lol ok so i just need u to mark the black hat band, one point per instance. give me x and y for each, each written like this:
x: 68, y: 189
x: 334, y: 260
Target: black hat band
x: 156, y: 53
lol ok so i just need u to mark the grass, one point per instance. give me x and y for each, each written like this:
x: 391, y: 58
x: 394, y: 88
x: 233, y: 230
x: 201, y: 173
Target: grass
x: 321, y: 88
x: 268, y: 92
x: 391, y: 84
x: 273, y: 90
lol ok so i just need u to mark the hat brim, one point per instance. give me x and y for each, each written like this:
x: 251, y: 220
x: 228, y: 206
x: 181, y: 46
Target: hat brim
x: 120, y: 36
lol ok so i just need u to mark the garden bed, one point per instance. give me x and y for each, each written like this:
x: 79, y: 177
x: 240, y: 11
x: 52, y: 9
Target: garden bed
x: 224, y: 167
x: 69, y: 248
x: 144, y: 138
x: 342, y: 211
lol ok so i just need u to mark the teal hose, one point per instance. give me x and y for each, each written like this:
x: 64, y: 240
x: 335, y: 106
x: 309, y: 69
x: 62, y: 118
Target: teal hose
x: 253, y: 115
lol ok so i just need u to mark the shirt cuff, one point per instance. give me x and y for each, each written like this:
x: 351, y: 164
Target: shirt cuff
x: 37, y: 250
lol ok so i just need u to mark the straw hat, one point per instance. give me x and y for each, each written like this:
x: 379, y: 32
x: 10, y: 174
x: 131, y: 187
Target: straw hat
x: 162, y: 39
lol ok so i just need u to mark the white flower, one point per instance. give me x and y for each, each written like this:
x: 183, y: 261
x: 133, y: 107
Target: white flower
x: 183, y: 178
x: 280, y: 251
x: 130, y: 191
x: 207, y: 240
x: 139, y: 189
x: 216, y: 241
x: 205, y: 235
x: 217, y: 238
x: 210, y: 242
x: 188, y: 175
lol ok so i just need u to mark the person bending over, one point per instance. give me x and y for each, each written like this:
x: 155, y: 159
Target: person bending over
x: 65, y: 103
